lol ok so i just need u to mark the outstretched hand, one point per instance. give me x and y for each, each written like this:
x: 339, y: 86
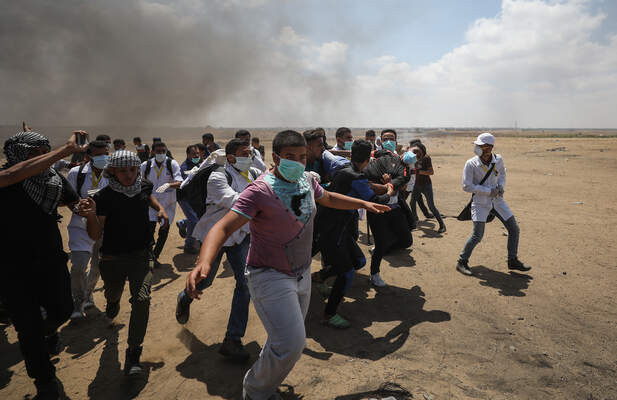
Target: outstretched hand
x: 197, y: 274
x: 376, y: 208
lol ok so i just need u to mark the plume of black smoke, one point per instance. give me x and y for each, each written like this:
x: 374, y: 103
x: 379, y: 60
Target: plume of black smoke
x: 120, y: 61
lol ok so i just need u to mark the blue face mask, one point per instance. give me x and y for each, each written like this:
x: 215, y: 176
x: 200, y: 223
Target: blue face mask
x: 195, y: 160
x: 409, y: 158
x: 291, y: 170
x: 348, y: 145
x: 101, y: 161
x: 389, y: 145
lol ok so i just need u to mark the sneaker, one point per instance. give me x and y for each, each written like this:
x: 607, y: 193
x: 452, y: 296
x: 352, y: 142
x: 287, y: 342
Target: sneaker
x: 53, y: 344
x: 338, y: 322
x: 441, y: 229
x: 377, y: 281
x: 182, y: 228
x: 131, y: 363
x: 183, y: 308
x: 191, y: 250
x: 515, y: 263
x: 429, y: 215
x: 462, y: 266
x: 371, y: 250
x: 275, y: 396
x: 112, y: 310
x: 323, y: 289
x: 89, y: 303
x: 234, y: 350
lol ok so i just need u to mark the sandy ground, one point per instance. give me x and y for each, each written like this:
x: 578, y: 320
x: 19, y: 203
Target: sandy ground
x: 547, y: 334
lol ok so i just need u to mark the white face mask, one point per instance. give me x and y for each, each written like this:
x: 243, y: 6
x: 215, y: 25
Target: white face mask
x: 478, y: 151
x: 243, y: 163
x: 160, y: 157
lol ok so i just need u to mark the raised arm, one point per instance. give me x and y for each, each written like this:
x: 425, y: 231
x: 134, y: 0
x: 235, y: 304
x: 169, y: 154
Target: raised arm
x: 342, y: 202
x: 34, y: 166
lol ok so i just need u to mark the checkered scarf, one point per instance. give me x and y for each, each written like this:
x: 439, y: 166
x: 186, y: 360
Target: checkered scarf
x: 45, y: 188
x: 121, y: 159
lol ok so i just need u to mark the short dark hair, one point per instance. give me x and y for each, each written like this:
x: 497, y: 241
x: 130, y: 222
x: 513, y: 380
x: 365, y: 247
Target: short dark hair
x: 158, y: 144
x: 156, y: 139
x: 421, y: 147
x: 342, y: 131
x: 104, y: 138
x: 287, y: 138
x: 312, y: 135
x: 242, y: 132
x: 389, y: 131
x: 207, y: 136
x: 413, y: 142
x: 234, y: 144
x: 189, y: 147
x: 96, y: 144
x: 361, y: 150
x: 201, y: 146
x: 119, y: 141
x: 255, y: 139
x: 137, y: 139
x: 370, y: 132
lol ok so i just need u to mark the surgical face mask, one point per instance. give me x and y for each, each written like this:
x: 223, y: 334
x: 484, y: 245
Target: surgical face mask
x: 409, y: 158
x: 101, y: 161
x: 160, y: 157
x: 195, y: 160
x: 478, y: 151
x: 389, y: 145
x: 291, y: 170
x: 348, y: 145
x: 243, y: 163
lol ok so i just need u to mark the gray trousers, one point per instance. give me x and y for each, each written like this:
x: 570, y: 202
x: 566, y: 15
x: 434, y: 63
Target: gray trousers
x: 281, y: 302
x: 83, y: 280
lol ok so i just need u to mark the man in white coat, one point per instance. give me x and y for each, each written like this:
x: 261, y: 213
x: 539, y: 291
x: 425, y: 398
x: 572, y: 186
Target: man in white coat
x: 224, y: 186
x: 165, y: 175
x: 486, y: 197
x: 85, y: 179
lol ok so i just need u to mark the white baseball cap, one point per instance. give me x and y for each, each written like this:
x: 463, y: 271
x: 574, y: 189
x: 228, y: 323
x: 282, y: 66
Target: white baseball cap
x: 485, y: 138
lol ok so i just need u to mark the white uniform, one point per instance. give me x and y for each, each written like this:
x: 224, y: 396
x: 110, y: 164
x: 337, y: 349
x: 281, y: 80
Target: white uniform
x: 482, y: 202
x: 221, y: 197
x: 258, y: 161
x: 158, y: 177
x: 78, y: 235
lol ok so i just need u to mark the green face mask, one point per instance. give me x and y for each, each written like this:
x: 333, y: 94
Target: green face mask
x: 195, y: 160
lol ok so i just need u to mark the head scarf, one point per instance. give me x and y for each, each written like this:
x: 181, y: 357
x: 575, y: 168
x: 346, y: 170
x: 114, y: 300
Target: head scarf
x: 45, y: 188
x: 122, y: 159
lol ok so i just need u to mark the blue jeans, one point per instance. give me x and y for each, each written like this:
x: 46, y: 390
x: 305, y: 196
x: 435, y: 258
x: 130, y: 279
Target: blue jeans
x: 238, y: 317
x: 478, y: 233
x: 190, y: 221
x: 427, y: 191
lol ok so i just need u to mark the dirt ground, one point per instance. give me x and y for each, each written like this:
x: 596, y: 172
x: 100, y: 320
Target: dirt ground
x: 550, y: 333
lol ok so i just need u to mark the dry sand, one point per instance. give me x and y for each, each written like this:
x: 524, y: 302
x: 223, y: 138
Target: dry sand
x: 548, y: 334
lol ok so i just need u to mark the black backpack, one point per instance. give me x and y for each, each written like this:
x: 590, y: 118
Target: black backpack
x: 196, y: 191
x: 149, y: 168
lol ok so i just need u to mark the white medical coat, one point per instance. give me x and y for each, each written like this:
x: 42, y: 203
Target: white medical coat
x: 167, y: 198
x: 482, y: 202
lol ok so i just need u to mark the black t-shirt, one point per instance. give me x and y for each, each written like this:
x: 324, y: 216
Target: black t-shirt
x: 126, y: 219
x: 29, y: 235
x: 423, y: 165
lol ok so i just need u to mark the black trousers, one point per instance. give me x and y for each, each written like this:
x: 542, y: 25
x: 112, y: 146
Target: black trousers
x: 157, y: 247
x: 24, y: 289
x: 390, y: 231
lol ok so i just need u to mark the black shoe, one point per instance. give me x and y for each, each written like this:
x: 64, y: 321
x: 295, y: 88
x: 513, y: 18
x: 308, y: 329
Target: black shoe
x: 515, y: 263
x: 131, y: 363
x: 429, y: 215
x: 183, y: 308
x: 442, y: 229
x: 53, y: 344
x: 181, y: 229
x: 234, y: 350
x: 112, y: 310
x: 48, y: 390
x: 463, y: 267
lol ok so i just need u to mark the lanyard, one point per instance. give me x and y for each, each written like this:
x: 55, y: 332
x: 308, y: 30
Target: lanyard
x: 158, y: 170
x: 246, y: 175
x: 95, y: 180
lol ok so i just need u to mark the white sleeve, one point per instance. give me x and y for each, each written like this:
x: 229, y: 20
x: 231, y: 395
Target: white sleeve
x: 72, y: 177
x: 142, y: 169
x: 175, y: 171
x: 468, y: 184
x: 258, y: 162
x: 220, y: 191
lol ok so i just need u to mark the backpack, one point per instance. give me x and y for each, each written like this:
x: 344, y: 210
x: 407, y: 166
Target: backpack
x: 149, y: 168
x: 81, y: 178
x: 196, y: 191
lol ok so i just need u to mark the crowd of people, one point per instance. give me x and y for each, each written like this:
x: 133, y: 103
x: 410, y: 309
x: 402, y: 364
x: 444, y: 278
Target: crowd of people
x: 269, y: 222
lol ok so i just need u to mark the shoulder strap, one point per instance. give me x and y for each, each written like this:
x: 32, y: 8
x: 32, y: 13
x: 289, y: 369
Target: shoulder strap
x: 487, y: 173
x: 169, y: 170
x: 148, y: 168
x: 81, y: 178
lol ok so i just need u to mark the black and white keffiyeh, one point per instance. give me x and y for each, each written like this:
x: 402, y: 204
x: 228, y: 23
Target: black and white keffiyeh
x: 45, y: 188
x: 122, y: 159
